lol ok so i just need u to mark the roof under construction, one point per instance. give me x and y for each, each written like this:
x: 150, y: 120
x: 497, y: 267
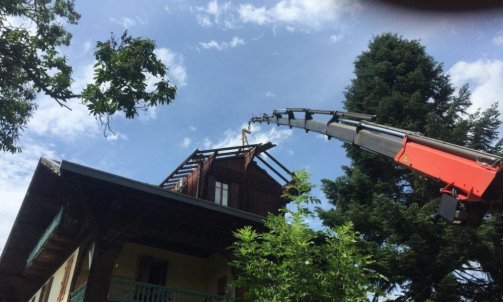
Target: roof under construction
x: 198, y: 157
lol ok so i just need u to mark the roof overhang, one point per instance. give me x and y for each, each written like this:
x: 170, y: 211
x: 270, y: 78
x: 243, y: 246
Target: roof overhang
x: 49, y: 190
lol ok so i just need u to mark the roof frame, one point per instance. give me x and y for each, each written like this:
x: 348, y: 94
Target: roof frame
x: 199, y: 156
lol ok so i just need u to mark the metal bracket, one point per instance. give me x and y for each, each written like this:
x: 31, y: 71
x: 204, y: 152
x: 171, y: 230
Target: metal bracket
x: 334, y: 118
x: 308, y: 116
x: 291, y: 116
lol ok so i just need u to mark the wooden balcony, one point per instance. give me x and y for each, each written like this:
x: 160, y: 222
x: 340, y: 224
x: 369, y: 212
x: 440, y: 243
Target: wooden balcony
x: 122, y: 290
x: 58, y: 234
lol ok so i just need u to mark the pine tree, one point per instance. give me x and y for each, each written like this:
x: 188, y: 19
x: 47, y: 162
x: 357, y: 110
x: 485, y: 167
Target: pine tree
x: 394, y: 210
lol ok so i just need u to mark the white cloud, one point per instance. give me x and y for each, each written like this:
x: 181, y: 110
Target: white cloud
x: 485, y: 78
x: 148, y: 114
x: 52, y: 119
x: 84, y: 75
x: 211, y: 44
x: 87, y: 46
x: 175, y: 63
x: 204, y: 21
x: 234, y: 42
x: 269, y: 94
x: 335, y: 38
x: 115, y: 136
x: 207, y: 143
x: 192, y: 128
x: 128, y: 23
x: 229, y: 24
x: 177, y: 74
x: 15, y: 175
x: 185, y: 142
x: 309, y: 14
x: 498, y: 40
x: 215, y: 14
x: 232, y: 138
x: 213, y: 9
x: 251, y: 14
x: 21, y: 22
x: 124, y: 22
x: 302, y: 15
x: 322, y: 137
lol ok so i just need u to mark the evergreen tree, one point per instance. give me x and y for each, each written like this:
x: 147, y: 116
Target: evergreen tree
x: 394, y: 210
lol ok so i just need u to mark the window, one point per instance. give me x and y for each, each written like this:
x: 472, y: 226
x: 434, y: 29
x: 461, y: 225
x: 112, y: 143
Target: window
x: 152, y: 270
x: 221, y: 193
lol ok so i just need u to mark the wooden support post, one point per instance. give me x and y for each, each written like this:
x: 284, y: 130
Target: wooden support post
x: 100, y: 274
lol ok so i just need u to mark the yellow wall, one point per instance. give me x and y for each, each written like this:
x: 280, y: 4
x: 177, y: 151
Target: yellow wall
x: 184, y: 272
x: 58, y: 280
x: 83, y: 272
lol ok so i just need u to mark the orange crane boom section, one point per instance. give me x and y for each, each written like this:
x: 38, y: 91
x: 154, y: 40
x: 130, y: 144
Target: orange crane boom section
x: 466, y: 179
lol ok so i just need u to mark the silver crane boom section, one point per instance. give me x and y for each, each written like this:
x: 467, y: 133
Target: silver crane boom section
x: 358, y: 129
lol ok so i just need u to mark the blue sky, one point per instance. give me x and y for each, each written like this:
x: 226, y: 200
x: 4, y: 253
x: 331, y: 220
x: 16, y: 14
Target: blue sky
x: 232, y: 59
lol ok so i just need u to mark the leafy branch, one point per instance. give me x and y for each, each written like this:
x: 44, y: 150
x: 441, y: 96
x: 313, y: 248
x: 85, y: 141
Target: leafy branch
x: 128, y: 76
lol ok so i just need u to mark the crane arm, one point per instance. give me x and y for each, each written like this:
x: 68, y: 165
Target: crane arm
x: 470, y: 178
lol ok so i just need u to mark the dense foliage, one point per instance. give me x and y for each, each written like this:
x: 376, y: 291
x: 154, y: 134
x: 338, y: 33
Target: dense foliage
x: 288, y: 261
x: 394, y: 210
x: 32, y: 33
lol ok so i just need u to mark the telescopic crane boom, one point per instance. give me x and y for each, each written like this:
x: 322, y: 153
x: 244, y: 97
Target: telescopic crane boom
x: 471, y: 179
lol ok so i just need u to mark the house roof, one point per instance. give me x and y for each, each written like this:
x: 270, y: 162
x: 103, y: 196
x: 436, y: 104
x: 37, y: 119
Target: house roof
x: 56, y: 183
x: 197, y: 157
x: 155, y: 190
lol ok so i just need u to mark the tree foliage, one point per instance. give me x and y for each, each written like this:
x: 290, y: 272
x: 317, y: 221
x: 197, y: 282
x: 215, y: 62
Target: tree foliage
x: 288, y: 261
x: 32, y: 33
x: 394, y: 210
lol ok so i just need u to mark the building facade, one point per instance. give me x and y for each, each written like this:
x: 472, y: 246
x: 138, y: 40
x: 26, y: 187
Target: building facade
x: 85, y: 235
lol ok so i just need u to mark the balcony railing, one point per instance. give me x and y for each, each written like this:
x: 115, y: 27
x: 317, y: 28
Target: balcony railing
x: 78, y: 295
x: 45, y: 237
x: 122, y: 290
